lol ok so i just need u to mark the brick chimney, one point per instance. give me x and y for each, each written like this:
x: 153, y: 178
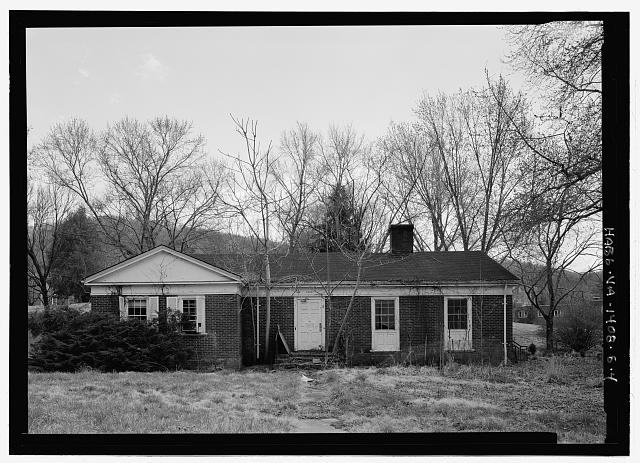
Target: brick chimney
x: 401, y: 238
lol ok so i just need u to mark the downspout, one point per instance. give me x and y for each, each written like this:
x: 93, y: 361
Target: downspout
x: 258, y: 322
x: 504, y: 326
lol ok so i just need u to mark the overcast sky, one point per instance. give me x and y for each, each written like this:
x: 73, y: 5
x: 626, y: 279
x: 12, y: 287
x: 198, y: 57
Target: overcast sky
x: 366, y: 76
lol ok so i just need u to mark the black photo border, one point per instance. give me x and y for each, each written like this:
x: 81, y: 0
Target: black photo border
x: 616, y: 216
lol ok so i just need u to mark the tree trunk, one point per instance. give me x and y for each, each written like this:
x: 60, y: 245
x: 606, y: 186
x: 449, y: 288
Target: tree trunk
x: 552, y: 305
x: 267, y: 326
x: 44, y: 293
x: 549, y: 332
x: 346, y: 315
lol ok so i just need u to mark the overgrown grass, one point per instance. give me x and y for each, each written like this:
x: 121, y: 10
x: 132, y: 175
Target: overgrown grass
x: 394, y: 399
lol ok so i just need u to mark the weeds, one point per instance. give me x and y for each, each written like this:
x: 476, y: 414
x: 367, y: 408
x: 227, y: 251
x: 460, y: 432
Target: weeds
x: 330, y: 377
x: 361, y: 376
x: 554, y: 371
x: 393, y: 399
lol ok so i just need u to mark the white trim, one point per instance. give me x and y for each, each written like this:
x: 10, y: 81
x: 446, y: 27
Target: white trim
x: 365, y: 290
x: 396, y: 302
x: 504, y: 326
x: 139, y: 283
x: 167, y: 289
x: 201, y: 313
x: 88, y: 281
x: 136, y: 296
x: 469, y: 320
x: 153, y: 307
x: 296, y: 301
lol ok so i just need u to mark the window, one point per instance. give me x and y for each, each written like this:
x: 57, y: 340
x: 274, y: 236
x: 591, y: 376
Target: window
x: 522, y: 314
x: 539, y: 314
x: 189, y: 315
x: 556, y: 312
x: 457, y: 314
x: 385, y: 314
x: 137, y: 308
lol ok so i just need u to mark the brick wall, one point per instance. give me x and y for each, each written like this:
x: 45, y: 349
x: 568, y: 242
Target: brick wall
x: 488, y: 313
x: 281, y: 314
x: 107, y: 304
x: 357, y: 331
x: 421, y: 319
x: 221, y: 344
x: 421, y: 326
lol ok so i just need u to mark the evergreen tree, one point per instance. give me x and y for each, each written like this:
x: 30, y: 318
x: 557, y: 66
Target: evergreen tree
x: 340, y: 229
x: 77, y: 256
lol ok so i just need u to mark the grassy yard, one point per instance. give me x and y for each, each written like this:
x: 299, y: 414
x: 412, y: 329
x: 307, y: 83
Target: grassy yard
x: 527, y: 333
x: 562, y: 395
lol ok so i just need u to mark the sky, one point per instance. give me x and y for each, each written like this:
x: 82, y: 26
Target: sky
x: 364, y: 76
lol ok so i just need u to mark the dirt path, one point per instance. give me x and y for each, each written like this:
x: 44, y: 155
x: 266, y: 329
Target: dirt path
x: 312, y: 392
x: 319, y: 425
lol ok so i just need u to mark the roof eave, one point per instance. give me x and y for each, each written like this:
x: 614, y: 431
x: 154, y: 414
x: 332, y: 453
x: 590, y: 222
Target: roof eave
x: 403, y: 282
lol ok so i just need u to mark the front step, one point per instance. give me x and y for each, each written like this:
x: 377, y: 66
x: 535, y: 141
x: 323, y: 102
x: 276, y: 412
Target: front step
x: 307, y: 359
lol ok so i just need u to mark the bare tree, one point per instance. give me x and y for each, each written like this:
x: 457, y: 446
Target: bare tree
x: 191, y: 209
x: 297, y: 176
x: 143, y: 183
x: 416, y: 188
x: 349, y: 180
x: 363, y: 171
x: 47, y: 208
x: 494, y: 145
x: 250, y: 197
x: 446, y: 128
x: 341, y: 153
x: 553, y: 233
x: 563, y: 61
x: 457, y: 164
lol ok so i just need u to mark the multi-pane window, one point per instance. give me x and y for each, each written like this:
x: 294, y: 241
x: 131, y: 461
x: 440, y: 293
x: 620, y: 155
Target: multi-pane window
x: 137, y: 308
x: 385, y: 314
x: 457, y: 314
x: 522, y: 314
x: 189, y: 314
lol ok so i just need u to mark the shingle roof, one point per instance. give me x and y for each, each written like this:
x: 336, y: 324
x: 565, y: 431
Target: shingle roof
x: 426, y: 267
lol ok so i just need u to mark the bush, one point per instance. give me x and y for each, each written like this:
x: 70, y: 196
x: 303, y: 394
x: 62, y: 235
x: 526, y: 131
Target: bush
x: 51, y: 319
x: 532, y: 349
x: 580, y: 330
x: 103, y: 342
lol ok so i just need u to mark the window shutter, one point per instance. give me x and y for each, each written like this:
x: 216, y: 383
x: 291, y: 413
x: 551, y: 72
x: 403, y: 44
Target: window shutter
x: 172, y: 304
x: 123, y: 307
x: 152, y: 308
x: 201, y: 325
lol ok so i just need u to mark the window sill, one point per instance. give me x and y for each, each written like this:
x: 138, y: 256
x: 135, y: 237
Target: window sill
x: 192, y: 334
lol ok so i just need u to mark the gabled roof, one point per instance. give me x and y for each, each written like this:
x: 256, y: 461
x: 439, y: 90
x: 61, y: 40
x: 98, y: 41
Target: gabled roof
x: 102, y: 276
x: 417, y: 267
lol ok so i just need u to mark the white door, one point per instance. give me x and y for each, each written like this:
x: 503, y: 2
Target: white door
x: 457, y: 323
x: 385, y: 324
x: 309, y: 323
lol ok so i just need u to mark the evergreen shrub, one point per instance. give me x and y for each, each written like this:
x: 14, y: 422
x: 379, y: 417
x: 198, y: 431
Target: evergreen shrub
x: 75, y: 341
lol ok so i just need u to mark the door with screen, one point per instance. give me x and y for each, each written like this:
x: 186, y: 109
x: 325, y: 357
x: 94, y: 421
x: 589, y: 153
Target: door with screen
x: 457, y: 323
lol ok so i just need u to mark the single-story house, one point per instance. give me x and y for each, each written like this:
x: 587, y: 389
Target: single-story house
x: 405, y: 303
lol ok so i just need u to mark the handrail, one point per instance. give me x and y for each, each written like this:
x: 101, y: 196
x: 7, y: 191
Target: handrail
x: 521, y: 352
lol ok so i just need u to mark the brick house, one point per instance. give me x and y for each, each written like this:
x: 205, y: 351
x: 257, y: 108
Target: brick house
x: 418, y: 304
